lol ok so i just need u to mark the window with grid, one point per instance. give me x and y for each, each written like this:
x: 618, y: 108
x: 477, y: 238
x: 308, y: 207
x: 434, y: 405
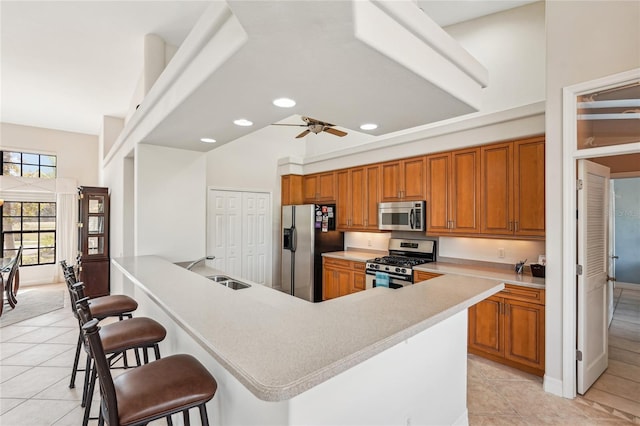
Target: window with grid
x: 28, y: 165
x: 31, y: 225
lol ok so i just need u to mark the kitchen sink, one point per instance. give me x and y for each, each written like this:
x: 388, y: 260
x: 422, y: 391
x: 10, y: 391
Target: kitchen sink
x: 218, y: 278
x: 228, y: 282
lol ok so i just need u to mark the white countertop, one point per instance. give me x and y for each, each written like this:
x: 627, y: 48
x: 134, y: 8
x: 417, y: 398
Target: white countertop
x: 508, y: 277
x: 277, y: 345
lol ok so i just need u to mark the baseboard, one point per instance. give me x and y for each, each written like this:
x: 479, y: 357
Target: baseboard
x: 553, y: 386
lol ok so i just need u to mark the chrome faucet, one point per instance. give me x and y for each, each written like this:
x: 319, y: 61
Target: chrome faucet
x: 195, y: 262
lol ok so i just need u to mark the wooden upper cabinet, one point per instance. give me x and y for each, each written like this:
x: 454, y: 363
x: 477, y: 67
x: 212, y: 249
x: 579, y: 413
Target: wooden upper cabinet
x: 291, y: 190
x: 403, y: 180
x: 453, y: 192
x: 497, y: 189
x: 512, y: 188
x: 319, y: 187
x: 529, y: 187
x: 357, y: 198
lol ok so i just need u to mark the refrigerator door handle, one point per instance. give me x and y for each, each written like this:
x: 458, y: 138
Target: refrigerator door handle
x: 294, y: 239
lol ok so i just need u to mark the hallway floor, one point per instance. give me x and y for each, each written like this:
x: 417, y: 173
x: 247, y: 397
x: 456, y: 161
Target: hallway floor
x: 36, y: 357
x: 619, y: 386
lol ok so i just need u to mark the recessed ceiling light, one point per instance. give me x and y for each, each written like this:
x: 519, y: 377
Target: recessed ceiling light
x: 207, y: 140
x: 369, y: 126
x: 284, y: 102
x: 243, y: 122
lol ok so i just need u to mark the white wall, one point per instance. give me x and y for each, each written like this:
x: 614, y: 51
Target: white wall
x: 585, y: 40
x: 170, y: 202
x: 511, y: 45
x: 77, y: 153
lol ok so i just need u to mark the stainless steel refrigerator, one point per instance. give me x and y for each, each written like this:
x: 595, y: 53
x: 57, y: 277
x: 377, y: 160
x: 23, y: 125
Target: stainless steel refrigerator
x: 308, y: 230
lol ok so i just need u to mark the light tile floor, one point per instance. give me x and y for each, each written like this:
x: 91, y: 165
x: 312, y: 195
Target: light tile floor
x: 36, y: 357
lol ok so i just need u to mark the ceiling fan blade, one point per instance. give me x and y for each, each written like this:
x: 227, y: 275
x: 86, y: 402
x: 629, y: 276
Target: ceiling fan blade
x: 335, y: 132
x: 310, y: 120
x: 296, y: 125
x: 303, y: 134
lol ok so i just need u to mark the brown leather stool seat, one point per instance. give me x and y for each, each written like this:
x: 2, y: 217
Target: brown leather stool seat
x: 159, y: 388
x: 111, y: 306
x: 138, y: 396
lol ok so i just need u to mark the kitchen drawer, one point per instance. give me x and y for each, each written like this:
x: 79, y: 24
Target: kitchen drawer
x: 526, y: 294
x: 423, y: 276
x: 339, y: 263
x: 359, y: 266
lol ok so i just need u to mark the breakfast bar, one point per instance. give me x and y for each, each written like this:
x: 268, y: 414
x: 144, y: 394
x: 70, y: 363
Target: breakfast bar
x: 380, y: 356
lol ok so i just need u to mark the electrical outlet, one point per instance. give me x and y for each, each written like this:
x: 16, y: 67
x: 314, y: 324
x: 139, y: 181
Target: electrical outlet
x: 501, y: 253
x: 369, y: 243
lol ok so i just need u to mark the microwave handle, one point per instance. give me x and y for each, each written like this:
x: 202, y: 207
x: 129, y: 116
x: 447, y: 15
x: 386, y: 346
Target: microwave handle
x: 411, y: 216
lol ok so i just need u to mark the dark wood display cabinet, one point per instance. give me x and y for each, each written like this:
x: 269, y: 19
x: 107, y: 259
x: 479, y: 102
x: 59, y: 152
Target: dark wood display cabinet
x: 93, y: 239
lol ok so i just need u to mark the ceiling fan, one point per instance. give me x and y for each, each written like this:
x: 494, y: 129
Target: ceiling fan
x: 315, y: 126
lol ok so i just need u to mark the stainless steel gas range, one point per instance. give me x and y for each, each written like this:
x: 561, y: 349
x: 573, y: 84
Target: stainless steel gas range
x: 396, y: 270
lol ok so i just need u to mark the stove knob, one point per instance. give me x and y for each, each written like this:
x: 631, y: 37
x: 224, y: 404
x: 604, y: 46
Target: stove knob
x: 404, y: 271
x: 398, y: 270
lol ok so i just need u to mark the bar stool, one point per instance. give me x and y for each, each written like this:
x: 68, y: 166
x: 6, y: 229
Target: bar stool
x: 135, y: 333
x: 116, y: 305
x: 152, y: 391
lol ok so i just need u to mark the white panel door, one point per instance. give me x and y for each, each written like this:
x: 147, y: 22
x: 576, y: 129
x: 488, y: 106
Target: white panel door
x: 233, y: 264
x: 239, y: 227
x: 255, y: 237
x: 593, y: 221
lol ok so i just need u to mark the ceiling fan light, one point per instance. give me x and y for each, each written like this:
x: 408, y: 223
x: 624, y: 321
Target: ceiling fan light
x: 207, y: 140
x: 243, y: 122
x: 369, y: 126
x: 284, y: 102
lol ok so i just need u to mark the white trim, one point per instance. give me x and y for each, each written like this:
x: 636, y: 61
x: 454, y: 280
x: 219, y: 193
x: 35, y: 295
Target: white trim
x: 553, y: 386
x: 570, y: 154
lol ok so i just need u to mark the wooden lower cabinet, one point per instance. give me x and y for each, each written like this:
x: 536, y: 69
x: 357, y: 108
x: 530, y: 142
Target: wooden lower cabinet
x: 509, y: 328
x: 341, y: 277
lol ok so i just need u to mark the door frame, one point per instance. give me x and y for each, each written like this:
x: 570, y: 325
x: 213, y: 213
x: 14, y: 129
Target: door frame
x: 570, y: 155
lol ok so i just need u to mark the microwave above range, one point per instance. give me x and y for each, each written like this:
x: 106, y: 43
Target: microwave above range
x: 402, y: 216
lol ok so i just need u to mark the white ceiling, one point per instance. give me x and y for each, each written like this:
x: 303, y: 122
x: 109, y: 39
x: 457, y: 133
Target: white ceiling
x: 66, y: 64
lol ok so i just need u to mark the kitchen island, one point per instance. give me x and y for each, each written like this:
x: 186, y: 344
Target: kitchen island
x: 380, y: 356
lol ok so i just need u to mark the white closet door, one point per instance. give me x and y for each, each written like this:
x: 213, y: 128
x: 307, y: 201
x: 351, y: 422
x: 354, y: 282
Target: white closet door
x: 225, y: 231
x: 239, y: 234
x: 255, y: 207
x: 593, y: 256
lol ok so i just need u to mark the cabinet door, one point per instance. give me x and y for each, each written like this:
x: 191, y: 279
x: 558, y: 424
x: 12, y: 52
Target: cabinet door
x: 326, y: 187
x: 372, y: 197
x: 438, y: 175
x: 344, y: 278
x: 524, y: 333
x: 330, y: 287
x: 486, y: 327
x: 358, y: 193
x: 343, y: 200
x: 529, y: 187
x: 359, y: 278
x: 412, y: 179
x: 496, y: 189
x: 310, y: 188
x: 291, y: 190
x: 464, y: 194
x: 95, y: 276
x: 390, y: 181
